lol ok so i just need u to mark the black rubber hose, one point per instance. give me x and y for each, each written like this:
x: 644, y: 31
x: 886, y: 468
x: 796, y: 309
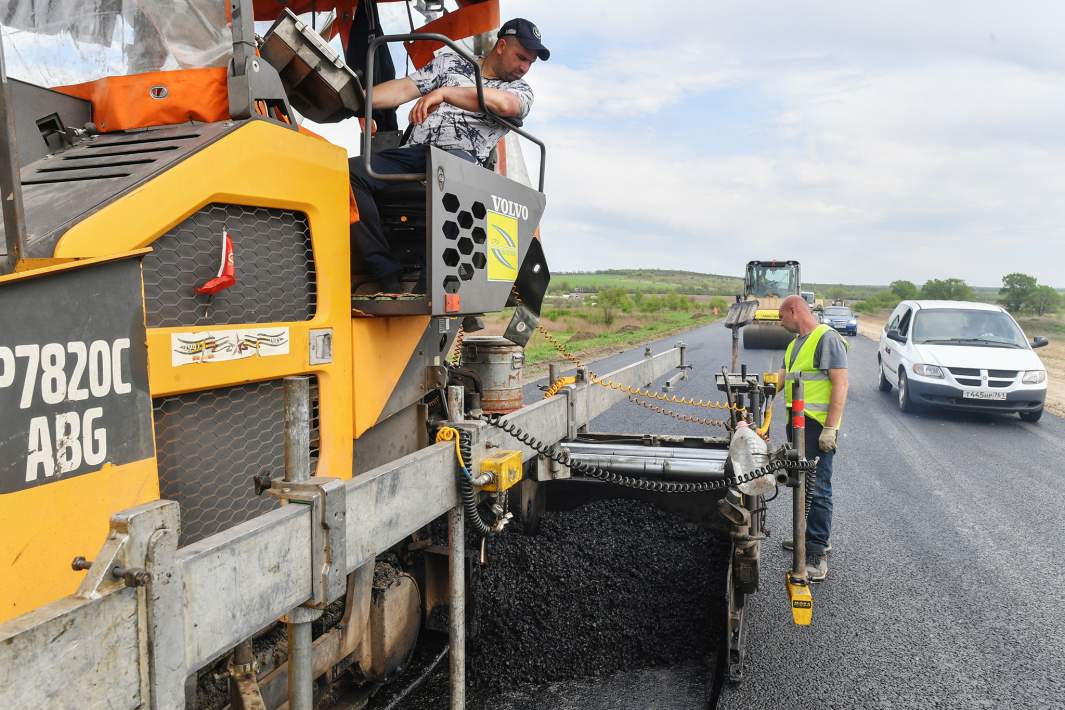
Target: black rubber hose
x: 469, y: 503
x: 469, y: 498
x: 811, y: 479
x: 655, y: 485
x: 394, y: 704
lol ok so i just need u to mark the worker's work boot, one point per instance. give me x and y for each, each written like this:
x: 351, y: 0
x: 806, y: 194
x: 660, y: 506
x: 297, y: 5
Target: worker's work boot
x: 390, y: 283
x: 817, y: 568
x: 789, y: 545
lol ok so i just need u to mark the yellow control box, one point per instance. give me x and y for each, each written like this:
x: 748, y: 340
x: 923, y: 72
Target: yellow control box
x: 770, y: 378
x: 505, y: 467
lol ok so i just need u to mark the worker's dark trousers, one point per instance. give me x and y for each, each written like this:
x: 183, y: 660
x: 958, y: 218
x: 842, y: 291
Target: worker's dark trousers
x: 367, y: 235
x: 819, y: 521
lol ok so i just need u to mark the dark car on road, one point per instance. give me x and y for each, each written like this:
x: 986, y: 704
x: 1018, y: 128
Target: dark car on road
x: 841, y: 318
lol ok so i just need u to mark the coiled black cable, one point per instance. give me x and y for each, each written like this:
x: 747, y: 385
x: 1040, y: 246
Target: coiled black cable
x: 643, y: 484
x: 811, y: 479
x: 469, y: 497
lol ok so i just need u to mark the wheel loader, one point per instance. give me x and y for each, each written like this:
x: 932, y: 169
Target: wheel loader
x: 209, y: 434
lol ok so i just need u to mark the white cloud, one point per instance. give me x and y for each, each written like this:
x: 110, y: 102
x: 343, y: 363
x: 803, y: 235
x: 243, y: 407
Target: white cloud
x: 625, y: 83
x: 887, y: 141
x: 909, y: 141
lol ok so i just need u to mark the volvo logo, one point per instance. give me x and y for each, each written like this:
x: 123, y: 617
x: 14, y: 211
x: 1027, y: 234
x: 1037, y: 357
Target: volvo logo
x: 509, y: 208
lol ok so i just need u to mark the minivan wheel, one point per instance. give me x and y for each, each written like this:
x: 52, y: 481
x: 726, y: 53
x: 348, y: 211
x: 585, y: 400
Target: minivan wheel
x: 1032, y: 416
x: 905, y: 403
x: 884, y: 385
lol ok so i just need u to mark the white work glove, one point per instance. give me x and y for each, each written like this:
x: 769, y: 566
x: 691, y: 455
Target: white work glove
x: 827, y: 441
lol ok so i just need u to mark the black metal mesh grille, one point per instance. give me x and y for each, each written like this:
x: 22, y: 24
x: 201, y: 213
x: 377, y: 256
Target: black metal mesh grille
x: 464, y: 252
x: 209, y: 445
x: 276, y: 279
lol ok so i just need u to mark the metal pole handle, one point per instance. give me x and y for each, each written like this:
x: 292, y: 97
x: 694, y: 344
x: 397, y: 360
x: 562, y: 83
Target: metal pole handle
x: 798, y: 507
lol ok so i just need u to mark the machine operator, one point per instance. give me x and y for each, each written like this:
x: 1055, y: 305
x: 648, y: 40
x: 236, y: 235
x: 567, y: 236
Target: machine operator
x: 820, y: 354
x: 446, y: 116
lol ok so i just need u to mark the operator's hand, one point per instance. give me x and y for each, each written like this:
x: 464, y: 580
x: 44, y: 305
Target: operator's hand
x: 426, y: 105
x: 827, y: 441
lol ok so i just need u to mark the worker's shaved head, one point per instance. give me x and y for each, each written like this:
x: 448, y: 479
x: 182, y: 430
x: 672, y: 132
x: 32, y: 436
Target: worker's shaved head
x: 791, y: 303
x: 796, y: 316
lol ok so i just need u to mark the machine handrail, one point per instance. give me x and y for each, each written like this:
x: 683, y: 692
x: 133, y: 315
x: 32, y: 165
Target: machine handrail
x: 430, y: 37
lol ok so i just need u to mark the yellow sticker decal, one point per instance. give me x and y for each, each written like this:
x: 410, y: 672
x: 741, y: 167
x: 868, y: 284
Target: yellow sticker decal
x: 502, y: 247
x: 223, y: 345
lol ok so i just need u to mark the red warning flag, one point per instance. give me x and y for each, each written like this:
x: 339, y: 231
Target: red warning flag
x: 227, y: 272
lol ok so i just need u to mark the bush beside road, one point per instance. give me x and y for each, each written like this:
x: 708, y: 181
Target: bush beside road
x: 871, y: 325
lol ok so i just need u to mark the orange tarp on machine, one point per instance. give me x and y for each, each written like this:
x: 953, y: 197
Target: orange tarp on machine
x: 162, y: 98
x: 157, y: 98
x: 473, y: 17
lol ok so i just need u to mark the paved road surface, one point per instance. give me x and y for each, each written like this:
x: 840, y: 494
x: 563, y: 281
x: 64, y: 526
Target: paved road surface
x: 946, y: 586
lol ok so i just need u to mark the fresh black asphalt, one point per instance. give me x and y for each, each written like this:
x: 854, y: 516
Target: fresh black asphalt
x: 946, y: 586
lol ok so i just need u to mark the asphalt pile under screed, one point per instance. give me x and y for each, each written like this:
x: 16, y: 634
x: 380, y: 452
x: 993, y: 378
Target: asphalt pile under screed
x: 614, y: 585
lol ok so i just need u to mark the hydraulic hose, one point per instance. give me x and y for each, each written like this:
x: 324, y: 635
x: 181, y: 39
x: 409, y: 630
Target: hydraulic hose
x: 464, y: 453
x: 655, y: 485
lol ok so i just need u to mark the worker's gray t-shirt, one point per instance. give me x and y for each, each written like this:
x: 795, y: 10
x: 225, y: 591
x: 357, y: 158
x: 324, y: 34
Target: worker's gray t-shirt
x: 450, y: 127
x: 831, y: 352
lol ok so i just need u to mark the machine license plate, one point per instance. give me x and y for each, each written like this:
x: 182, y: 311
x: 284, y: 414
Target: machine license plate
x: 983, y: 395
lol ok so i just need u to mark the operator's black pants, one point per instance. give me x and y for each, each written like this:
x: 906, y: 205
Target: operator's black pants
x: 367, y: 235
x: 819, y: 521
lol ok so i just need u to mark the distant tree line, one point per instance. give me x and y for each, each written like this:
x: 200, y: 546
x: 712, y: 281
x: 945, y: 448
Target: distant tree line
x: 1020, y: 293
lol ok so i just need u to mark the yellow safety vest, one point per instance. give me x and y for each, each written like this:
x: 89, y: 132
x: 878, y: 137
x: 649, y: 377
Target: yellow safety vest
x: 817, y: 392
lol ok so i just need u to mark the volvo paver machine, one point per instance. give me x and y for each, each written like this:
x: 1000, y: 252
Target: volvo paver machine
x: 206, y: 437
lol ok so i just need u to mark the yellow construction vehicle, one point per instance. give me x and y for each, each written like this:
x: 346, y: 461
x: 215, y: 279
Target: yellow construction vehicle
x: 207, y: 431
x: 769, y: 282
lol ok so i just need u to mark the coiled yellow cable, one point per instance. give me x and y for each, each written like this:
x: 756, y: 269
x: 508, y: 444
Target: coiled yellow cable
x: 763, y: 431
x: 557, y: 386
x: 447, y: 433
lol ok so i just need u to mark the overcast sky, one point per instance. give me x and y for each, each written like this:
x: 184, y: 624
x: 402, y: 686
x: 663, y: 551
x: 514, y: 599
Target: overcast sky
x: 871, y: 140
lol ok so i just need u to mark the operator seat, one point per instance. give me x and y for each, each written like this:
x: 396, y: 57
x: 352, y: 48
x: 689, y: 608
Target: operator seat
x: 404, y: 217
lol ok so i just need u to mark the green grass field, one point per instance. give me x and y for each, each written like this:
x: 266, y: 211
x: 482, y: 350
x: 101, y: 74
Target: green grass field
x: 694, y: 283
x: 1048, y: 325
x: 593, y: 339
x: 647, y: 281
x: 656, y: 281
x: 583, y: 330
x: 651, y: 303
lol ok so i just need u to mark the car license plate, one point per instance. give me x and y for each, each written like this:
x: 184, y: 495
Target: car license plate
x: 983, y: 395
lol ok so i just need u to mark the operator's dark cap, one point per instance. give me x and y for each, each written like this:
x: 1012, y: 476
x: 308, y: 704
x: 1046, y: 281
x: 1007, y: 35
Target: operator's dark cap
x: 528, y: 34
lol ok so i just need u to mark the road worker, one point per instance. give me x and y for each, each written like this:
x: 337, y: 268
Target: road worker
x: 819, y: 353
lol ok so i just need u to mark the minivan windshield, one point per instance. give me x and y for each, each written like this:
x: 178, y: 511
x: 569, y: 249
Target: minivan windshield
x: 965, y: 326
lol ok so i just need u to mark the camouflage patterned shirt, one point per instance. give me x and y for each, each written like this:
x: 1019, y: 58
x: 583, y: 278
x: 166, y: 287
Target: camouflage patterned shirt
x: 450, y: 127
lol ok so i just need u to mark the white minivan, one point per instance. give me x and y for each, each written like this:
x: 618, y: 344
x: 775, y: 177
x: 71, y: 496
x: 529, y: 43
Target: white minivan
x: 961, y: 355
